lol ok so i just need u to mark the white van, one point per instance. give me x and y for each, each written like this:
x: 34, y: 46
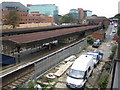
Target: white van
x: 97, y: 57
x: 79, y: 72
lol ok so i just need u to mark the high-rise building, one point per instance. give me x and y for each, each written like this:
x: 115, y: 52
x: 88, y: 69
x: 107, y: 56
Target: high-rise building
x: 81, y: 14
x: 87, y: 13
x: 49, y: 10
x: 77, y: 14
x: 74, y: 13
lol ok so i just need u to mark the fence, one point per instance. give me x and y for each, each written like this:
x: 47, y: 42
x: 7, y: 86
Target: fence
x: 55, y: 58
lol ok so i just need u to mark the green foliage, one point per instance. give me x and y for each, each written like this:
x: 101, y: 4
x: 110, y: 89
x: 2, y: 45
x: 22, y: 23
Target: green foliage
x: 114, y: 48
x: 44, y: 86
x: 31, y: 85
x: 103, y: 82
x: 68, y: 18
x: 118, y: 31
x: 94, y: 15
x: 22, y: 87
x: 90, y: 40
x: 12, y: 18
x: 112, y: 55
x: 107, y: 66
x: 50, y: 80
x: 117, y: 16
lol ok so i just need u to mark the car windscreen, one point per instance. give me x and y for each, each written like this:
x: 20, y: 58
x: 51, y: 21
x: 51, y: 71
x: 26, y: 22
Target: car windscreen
x: 97, y: 40
x: 76, y: 74
x: 95, y: 43
x: 94, y: 56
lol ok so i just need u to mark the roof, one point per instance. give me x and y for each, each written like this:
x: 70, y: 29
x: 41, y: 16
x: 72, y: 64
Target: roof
x: 42, y: 28
x: 82, y: 62
x: 42, y: 4
x: 88, y: 10
x: 16, y: 5
x: 32, y: 37
x: 96, y: 18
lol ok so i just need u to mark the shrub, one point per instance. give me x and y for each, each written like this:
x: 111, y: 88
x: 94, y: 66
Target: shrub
x: 113, y: 52
x: 103, y: 82
x: 90, y: 40
x: 31, y: 85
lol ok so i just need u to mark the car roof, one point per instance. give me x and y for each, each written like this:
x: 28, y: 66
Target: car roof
x: 92, y: 53
x: 98, y: 40
x: 95, y: 42
x: 82, y: 62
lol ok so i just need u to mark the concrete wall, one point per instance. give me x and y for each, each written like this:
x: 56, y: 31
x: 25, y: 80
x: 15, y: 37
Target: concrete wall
x: 52, y: 60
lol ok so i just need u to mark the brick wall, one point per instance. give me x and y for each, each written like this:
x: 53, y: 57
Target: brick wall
x: 25, y: 18
x: 97, y: 36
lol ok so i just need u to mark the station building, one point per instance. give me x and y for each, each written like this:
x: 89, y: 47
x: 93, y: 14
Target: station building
x: 97, y: 19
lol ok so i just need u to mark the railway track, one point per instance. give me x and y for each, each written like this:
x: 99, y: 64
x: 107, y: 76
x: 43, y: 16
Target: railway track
x: 18, y: 77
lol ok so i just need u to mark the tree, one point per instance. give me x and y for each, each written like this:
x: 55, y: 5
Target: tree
x: 94, y: 15
x: 117, y: 16
x: 12, y: 18
x: 68, y: 18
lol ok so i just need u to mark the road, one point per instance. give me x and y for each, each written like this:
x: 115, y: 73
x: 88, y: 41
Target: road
x: 106, y: 49
x: 109, y: 34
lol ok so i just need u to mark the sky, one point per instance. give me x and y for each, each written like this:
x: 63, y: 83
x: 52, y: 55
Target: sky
x: 107, y: 8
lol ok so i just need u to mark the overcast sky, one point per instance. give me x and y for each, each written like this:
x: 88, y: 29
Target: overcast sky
x: 106, y: 8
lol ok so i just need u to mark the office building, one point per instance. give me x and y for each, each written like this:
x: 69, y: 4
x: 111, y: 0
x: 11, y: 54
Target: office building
x: 77, y: 14
x: 6, y: 7
x: 87, y: 13
x: 49, y: 10
x: 74, y: 13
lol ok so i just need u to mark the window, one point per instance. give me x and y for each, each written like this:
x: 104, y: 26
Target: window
x: 88, y: 69
x: 76, y: 73
x: 11, y: 8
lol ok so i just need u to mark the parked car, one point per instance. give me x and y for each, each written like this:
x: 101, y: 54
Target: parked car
x: 97, y: 57
x: 96, y: 44
x: 98, y: 40
x: 113, y: 31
